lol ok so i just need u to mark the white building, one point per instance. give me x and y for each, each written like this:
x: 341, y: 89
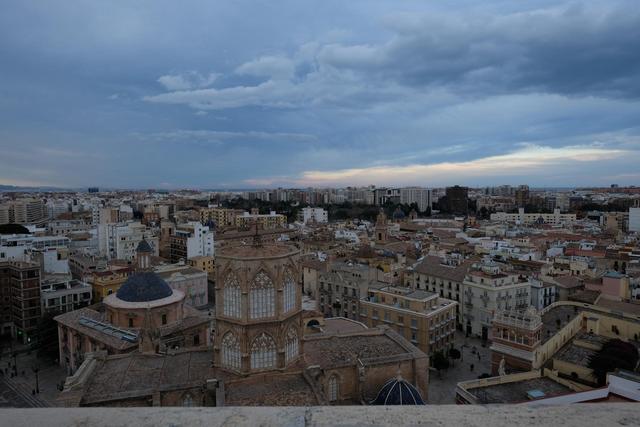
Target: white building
x: 18, y: 247
x: 64, y: 296
x: 119, y: 241
x: 487, y: 289
x: 418, y: 195
x: 634, y: 219
x: 543, y: 293
x: 555, y: 218
x: 318, y: 215
x: 199, y: 239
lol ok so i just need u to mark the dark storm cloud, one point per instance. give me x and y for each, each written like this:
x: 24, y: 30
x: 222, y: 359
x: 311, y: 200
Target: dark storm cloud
x: 296, y: 93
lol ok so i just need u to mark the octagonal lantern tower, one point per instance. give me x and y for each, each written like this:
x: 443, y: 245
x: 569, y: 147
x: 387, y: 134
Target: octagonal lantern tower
x: 258, y: 307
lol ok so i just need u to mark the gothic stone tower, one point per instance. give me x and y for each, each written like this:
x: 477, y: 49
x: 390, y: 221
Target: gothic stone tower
x: 258, y: 308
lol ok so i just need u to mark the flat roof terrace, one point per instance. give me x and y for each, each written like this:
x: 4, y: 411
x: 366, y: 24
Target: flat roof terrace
x: 519, y: 391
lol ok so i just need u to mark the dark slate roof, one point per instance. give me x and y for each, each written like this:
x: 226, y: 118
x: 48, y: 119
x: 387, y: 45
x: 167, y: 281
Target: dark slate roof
x: 144, y: 246
x: 142, y: 287
x: 13, y: 229
x: 397, y: 391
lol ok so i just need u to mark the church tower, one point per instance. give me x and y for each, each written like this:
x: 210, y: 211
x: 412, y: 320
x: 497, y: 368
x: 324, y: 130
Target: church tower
x: 381, y: 228
x: 258, y: 307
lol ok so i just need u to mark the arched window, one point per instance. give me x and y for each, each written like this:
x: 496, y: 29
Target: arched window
x: 289, y: 292
x: 230, y: 351
x: 333, y: 388
x: 263, y: 352
x: 231, y: 296
x: 291, y: 345
x: 187, y: 400
x: 261, y: 297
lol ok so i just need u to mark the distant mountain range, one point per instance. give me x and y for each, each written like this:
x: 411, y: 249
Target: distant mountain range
x: 14, y: 188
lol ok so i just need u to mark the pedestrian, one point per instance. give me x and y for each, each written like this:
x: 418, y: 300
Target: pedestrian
x: 471, y: 367
x: 478, y: 356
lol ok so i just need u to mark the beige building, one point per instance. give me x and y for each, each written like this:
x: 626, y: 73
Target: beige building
x: 421, y: 317
x: 266, y: 221
x: 23, y: 211
x: 555, y: 218
x: 444, y: 276
x: 222, y: 217
x: 486, y: 290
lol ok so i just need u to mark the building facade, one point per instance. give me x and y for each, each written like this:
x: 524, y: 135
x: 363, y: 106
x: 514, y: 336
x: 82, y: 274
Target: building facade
x: 421, y: 317
x: 486, y: 290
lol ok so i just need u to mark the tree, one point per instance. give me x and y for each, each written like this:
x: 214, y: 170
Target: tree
x: 454, y: 354
x: 440, y: 361
x: 615, y: 354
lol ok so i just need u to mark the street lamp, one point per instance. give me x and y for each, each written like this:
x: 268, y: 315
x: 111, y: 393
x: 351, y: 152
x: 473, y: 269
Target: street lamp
x: 15, y: 363
x: 35, y: 370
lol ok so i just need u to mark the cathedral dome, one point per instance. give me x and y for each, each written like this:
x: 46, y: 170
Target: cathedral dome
x: 398, y: 391
x: 144, y: 287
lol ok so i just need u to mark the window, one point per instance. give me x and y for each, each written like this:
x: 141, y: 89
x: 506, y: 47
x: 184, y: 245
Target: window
x: 414, y: 323
x: 230, y: 351
x: 187, y: 400
x: 261, y: 297
x: 231, y: 296
x: 289, y: 292
x: 291, y: 345
x: 131, y: 322
x: 196, y: 339
x: 263, y: 352
x: 333, y: 388
x: 164, y: 319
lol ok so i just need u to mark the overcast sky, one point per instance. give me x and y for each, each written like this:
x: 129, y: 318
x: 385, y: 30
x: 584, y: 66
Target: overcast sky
x: 243, y: 94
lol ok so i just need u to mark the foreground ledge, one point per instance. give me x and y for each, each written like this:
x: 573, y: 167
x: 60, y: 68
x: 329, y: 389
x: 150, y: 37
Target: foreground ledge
x: 580, y: 415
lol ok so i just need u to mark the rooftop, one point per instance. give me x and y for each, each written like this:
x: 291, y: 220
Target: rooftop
x: 265, y: 250
x: 519, y: 391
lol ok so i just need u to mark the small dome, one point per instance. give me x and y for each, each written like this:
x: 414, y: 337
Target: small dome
x: 398, y: 392
x: 13, y: 229
x: 143, y: 287
x: 144, y: 246
x: 398, y: 214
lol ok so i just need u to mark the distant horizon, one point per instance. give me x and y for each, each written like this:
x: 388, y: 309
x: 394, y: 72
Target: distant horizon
x: 211, y: 189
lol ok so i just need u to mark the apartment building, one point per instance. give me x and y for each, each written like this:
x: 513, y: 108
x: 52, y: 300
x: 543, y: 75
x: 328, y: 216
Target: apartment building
x: 421, y: 317
x: 418, y: 195
x: 341, y: 288
x: 20, y: 291
x: 555, y: 218
x: 221, y: 217
x: 265, y: 221
x: 191, y: 240
x: 317, y: 215
x: 63, y: 296
x: 441, y: 275
x: 487, y: 289
x: 120, y: 240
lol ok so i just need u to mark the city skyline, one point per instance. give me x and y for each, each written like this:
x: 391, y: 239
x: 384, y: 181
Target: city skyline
x: 256, y: 95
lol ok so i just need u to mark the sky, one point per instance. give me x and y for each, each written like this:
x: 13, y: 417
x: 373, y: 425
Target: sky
x: 296, y: 93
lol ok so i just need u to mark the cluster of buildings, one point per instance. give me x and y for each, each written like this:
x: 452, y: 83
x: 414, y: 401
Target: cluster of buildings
x: 257, y: 309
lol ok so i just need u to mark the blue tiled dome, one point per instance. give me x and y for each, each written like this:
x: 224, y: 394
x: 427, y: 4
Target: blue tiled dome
x: 143, y: 287
x: 144, y: 246
x: 398, y: 392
